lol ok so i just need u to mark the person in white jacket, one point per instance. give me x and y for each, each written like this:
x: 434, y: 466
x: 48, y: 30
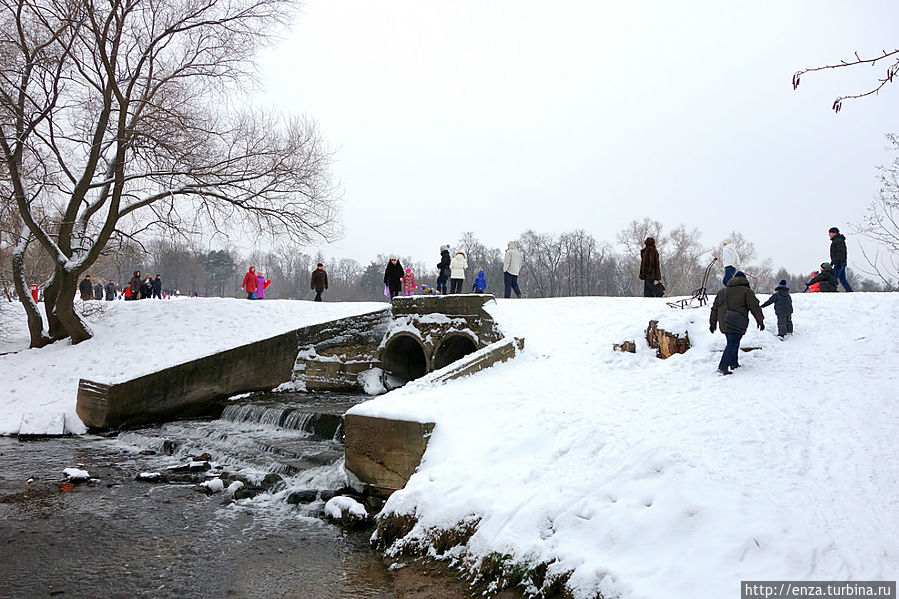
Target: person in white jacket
x: 457, y: 272
x: 511, y: 268
x: 730, y: 259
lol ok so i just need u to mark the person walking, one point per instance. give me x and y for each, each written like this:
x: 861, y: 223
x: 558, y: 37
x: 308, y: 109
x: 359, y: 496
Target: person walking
x: 730, y: 259
x: 457, y: 272
x: 134, y: 285
x: 838, y: 255
x: 409, y: 283
x: 156, y: 285
x: 393, y: 277
x: 511, y: 268
x: 730, y: 312
x: 826, y: 280
x: 98, y: 290
x: 86, y: 288
x: 443, y: 269
x: 261, y: 285
x: 783, y: 308
x: 249, y: 283
x: 110, y: 290
x: 480, y: 283
x: 650, y: 271
x: 319, y: 281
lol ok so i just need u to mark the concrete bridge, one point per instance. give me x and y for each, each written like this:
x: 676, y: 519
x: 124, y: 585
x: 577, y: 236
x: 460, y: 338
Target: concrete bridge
x: 411, y: 338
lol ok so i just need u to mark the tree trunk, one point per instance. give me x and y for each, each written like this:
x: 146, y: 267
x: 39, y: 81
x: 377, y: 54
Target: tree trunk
x: 51, y: 293
x: 39, y: 337
x: 71, y: 322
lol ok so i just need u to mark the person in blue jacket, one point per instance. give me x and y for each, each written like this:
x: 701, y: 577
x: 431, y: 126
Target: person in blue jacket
x: 783, y: 308
x: 480, y: 283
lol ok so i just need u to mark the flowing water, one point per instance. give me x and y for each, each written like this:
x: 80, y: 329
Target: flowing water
x: 119, y: 537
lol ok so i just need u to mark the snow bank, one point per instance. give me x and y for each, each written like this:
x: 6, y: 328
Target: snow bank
x: 659, y: 478
x: 136, y: 338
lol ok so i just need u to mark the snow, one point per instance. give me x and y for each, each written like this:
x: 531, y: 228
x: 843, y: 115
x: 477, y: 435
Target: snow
x: 337, y: 506
x: 646, y: 478
x: 659, y: 478
x: 136, y: 338
x: 215, y: 485
x: 76, y: 474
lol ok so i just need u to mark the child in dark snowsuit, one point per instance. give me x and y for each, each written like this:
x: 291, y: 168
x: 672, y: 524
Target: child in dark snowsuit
x: 783, y: 308
x: 480, y: 283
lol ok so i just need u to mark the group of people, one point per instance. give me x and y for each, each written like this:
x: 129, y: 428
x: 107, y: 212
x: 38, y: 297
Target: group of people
x: 135, y: 289
x: 736, y: 301
x: 255, y: 284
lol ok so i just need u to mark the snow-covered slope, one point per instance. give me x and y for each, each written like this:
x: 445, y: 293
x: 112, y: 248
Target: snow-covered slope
x: 652, y: 478
x: 136, y: 338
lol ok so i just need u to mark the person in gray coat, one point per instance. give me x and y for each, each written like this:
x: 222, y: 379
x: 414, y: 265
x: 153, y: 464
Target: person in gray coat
x: 783, y: 308
x: 730, y: 312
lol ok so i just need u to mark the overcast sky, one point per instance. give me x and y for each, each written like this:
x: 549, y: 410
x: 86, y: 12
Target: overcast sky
x: 496, y: 116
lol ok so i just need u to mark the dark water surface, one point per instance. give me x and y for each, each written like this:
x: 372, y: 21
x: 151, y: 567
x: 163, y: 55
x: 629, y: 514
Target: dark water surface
x: 122, y: 538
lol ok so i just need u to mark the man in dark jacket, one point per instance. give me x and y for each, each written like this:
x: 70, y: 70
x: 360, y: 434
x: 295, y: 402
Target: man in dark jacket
x: 110, y: 290
x: 826, y: 278
x: 98, y: 290
x: 443, y: 269
x: 783, y: 308
x: 393, y: 275
x: 650, y: 271
x: 838, y: 256
x: 156, y: 284
x: 319, y: 281
x: 86, y: 288
x: 730, y: 312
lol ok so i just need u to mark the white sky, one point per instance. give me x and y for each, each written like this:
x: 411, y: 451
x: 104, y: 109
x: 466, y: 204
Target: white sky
x: 495, y: 116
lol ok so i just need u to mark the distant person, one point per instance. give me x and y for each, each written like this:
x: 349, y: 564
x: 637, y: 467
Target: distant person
x: 86, y: 288
x: 134, y: 285
x: 98, y: 290
x: 783, y: 308
x: 319, y: 281
x: 457, y: 272
x: 838, y: 256
x: 126, y: 293
x: 443, y: 269
x: 409, y: 283
x: 146, y: 288
x: 110, y: 290
x: 650, y: 271
x: 393, y: 277
x: 249, y: 283
x: 261, y: 285
x: 480, y: 283
x: 730, y: 311
x: 511, y: 268
x: 826, y: 280
x: 157, y: 287
x: 815, y: 288
x: 730, y: 259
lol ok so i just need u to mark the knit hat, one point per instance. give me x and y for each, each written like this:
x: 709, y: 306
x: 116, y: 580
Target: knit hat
x: 408, y: 270
x: 444, y: 248
x: 783, y: 283
x: 833, y: 230
x: 740, y: 273
x: 825, y: 265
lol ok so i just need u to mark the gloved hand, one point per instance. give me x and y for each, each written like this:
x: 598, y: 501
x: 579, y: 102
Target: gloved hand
x: 655, y: 282
x: 711, y: 328
x: 761, y: 326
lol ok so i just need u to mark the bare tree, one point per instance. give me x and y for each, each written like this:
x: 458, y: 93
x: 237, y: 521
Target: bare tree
x: 888, y: 58
x: 114, y: 122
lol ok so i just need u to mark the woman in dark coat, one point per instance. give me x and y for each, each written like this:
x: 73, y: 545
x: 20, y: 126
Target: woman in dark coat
x: 443, y: 269
x: 393, y: 276
x: 730, y: 311
x: 650, y: 271
x: 134, y: 285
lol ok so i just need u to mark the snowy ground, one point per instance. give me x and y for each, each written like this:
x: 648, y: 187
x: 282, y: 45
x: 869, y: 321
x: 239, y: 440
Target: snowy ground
x: 647, y: 478
x: 652, y: 478
x: 136, y: 338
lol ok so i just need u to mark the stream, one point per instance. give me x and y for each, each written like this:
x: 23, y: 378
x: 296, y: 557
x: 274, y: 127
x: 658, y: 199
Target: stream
x: 116, y: 536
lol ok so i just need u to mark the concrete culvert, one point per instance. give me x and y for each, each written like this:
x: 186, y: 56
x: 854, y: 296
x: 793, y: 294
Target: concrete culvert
x: 404, y: 358
x: 453, y: 348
